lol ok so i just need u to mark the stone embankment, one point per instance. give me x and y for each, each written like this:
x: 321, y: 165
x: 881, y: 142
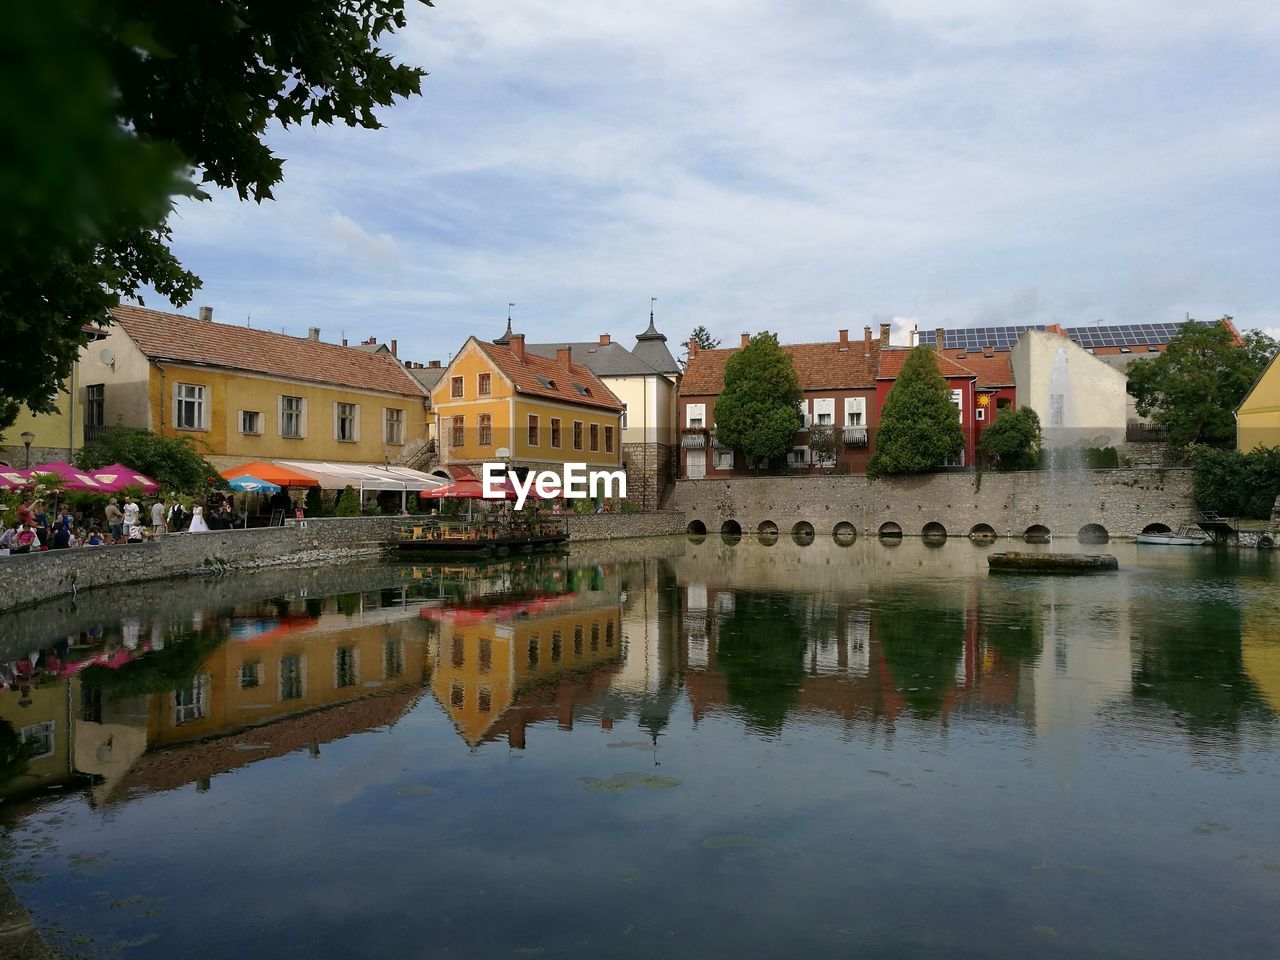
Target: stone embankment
x: 34, y: 578
x: 1092, y: 503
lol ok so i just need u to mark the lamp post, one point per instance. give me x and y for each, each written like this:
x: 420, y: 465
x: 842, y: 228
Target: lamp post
x: 27, y: 437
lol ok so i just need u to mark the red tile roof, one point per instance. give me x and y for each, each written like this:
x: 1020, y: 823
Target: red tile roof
x: 993, y: 371
x: 524, y: 375
x: 819, y: 366
x: 892, y: 361
x: 170, y: 336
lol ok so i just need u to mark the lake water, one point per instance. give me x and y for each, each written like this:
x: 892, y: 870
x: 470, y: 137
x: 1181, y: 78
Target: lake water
x: 685, y: 749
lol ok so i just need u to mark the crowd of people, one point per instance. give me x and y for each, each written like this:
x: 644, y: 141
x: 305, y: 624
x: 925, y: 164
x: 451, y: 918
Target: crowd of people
x: 123, y: 520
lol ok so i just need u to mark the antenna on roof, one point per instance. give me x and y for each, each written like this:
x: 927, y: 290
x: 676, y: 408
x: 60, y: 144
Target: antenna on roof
x: 248, y: 320
x: 509, y: 306
x: 652, y: 301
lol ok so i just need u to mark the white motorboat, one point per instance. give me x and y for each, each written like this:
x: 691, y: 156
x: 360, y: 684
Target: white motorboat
x: 1183, y: 538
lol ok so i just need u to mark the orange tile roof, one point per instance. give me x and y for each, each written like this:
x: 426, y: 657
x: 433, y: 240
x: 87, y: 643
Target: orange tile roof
x: 524, y: 375
x: 892, y: 361
x: 171, y: 336
x: 993, y: 371
x: 819, y: 366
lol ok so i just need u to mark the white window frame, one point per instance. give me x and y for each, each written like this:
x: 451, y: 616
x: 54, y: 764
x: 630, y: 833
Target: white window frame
x: 338, y: 418
x: 824, y: 407
x: 806, y: 421
x: 695, y: 415
x: 240, y: 421
x: 957, y: 398
x: 198, y: 707
x: 41, y: 732
x: 855, y: 412
x: 695, y: 464
x: 980, y: 413
x: 803, y: 460
x: 721, y: 456
x: 253, y: 667
x: 355, y: 666
x: 302, y: 677
x: 300, y: 413
x: 395, y: 436
x: 199, y: 401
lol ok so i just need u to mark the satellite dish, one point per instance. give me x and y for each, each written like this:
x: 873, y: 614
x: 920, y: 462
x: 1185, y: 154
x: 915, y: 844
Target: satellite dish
x: 107, y: 357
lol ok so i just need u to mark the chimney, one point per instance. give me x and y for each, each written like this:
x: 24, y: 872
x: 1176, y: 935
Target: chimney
x: 866, y: 339
x: 844, y: 339
x: 939, y: 339
x: 393, y: 348
x: 1055, y: 329
x: 988, y: 351
x: 884, y: 333
x: 206, y: 314
x: 564, y: 356
x: 605, y: 340
x: 746, y: 338
x: 434, y: 364
x: 517, y: 346
x: 344, y: 341
x: 313, y: 333
x: 693, y: 349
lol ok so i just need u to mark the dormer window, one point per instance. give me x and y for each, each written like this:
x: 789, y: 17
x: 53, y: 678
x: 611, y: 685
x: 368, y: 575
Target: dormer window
x: 549, y: 384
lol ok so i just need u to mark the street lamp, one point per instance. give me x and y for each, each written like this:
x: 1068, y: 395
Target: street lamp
x: 27, y: 437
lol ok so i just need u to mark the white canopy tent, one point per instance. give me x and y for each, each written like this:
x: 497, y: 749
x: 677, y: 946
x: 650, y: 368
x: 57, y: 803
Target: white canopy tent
x: 362, y: 477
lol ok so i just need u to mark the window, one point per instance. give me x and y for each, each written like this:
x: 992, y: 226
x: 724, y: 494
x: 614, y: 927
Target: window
x: 824, y: 411
x: 485, y: 425
x: 346, y: 422
x: 455, y: 387
x: 393, y: 418
x: 484, y: 384
x: 724, y: 459
x: 345, y: 667
x: 595, y: 638
x: 824, y: 419
x: 595, y: 437
x: 608, y: 439
x: 577, y: 641
x: 458, y: 656
x: 251, y: 422
x: 957, y: 397
x: 484, y: 700
x: 533, y: 650
x: 555, y: 432
x: 293, y: 680
x: 190, y: 704
x: 980, y: 413
x: 625, y: 409
x: 533, y: 429
x: 457, y: 696
x: 40, y: 738
x: 250, y: 675
x: 577, y: 434
x: 695, y: 415
x: 459, y: 431
x: 392, y: 659
x: 855, y: 411
x: 291, y: 417
x: 799, y: 456
x: 95, y: 397
x: 486, y: 654
x: 608, y: 634
x: 191, y: 408
x: 557, y: 643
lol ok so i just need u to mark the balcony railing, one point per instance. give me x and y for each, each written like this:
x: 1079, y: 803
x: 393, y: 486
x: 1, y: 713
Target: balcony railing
x: 693, y: 438
x: 1146, y: 432
x: 93, y: 433
x: 854, y: 436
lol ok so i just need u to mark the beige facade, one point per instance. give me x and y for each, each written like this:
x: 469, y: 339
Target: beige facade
x: 1081, y: 401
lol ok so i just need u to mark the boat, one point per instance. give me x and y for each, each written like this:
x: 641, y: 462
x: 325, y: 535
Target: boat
x: 1183, y: 538
x: 481, y: 536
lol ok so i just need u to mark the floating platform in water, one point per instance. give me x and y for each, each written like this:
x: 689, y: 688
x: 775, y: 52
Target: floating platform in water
x: 480, y: 538
x: 1013, y: 562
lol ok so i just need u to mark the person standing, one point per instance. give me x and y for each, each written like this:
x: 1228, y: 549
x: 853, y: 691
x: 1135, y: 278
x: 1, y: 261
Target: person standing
x: 198, y: 524
x: 177, y: 516
x: 131, y: 513
x: 157, y: 517
x: 115, y: 521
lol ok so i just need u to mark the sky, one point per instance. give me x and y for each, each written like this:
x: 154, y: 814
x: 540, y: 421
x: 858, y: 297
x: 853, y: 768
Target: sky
x: 798, y: 166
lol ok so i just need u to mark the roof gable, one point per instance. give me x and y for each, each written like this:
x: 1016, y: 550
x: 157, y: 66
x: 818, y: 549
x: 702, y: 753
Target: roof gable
x: 893, y: 360
x: 539, y: 376
x: 173, y: 337
x: 818, y: 366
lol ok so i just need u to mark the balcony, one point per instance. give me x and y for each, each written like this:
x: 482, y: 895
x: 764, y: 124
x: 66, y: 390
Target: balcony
x: 854, y: 436
x: 693, y: 438
x: 1145, y: 432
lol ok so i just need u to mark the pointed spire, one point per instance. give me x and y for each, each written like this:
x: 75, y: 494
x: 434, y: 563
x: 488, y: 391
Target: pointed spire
x: 505, y: 339
x: 652, y: 333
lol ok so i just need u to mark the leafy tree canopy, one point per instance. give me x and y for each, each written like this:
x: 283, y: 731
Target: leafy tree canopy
x: 1237, y: 484
x: 1012, y: 441
x: 112, y: 108
x: 700, y: 338
x: 757, y: 413
x: 919, y: 428
x: 824, y: 443
x: 1194, y: 387
x: 172, y: 462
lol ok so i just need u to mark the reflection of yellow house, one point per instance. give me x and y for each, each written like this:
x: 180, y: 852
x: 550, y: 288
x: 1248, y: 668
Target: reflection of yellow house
x: 1260, y: 650
x: 243, y: 684
x: 245, y: 394
x: 500, y: 402
x: 479, y: 669
x: 42, y: 718
x: 1258, y: 416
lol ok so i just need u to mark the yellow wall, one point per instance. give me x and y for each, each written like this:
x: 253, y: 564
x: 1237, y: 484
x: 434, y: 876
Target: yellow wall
x: 508, y: 409
x: 651, y: 408
x: 61, y: 431
x: 1258, y: 419
x: 228, y: 393
x: 49, y: 703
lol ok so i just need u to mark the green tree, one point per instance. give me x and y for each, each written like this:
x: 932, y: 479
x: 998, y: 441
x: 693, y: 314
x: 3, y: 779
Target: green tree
x: 756, y: 412
x: 1012, y: 441
x: 348, y: 503
x: 112, y: 109
x: 1194, y: 387
x: 700, y: 338
x: 824, y: 443
x: 1237, y: 484
x: 173, y: 462
x: 919, y: 428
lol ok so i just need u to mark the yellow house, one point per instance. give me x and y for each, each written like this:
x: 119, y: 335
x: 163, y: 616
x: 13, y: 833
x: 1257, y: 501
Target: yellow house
x: 500, y: 402
x: 53, y: 436
x: 1258, y: 416
x: 246, y: 394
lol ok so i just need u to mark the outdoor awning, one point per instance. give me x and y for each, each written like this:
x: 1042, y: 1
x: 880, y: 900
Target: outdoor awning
x: 281, y: 476
x: 337, y: 476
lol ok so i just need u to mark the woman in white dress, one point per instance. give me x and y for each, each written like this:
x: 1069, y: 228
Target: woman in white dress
x: 197, y: 521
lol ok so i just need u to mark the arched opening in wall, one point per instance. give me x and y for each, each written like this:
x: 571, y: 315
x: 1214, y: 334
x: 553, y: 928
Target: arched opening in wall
x: 982, y: 533
x: 933, y: 530
x: 802, y: 533
x: 767, y: 527
x: 732, y: 528
x: 697, y: 527
x: 1093, y: 533
x: 1036, y: 533
x: 1157, y: 528
x: 889, y: 531
x: 844, y: 533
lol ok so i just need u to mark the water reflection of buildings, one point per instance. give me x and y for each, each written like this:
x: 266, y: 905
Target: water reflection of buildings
x: 260, y: 680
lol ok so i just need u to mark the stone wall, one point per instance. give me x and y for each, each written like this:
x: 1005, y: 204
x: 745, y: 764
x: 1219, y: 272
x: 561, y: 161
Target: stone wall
x: 1121, y: 501
x: 620, y: 526
x: 15, y: 454
x: 648, y: 472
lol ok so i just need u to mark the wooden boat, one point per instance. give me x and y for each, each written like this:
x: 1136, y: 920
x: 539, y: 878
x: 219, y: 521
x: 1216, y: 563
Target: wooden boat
x: 480, y: 537
x: 1183, y: 538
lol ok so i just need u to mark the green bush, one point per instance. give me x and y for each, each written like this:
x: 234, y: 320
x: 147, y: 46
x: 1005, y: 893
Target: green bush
x: 1237, y: 484
x: 1101, y: 458
x: 348, y: 503
x: 1013, y: 441
x: 173, y: 462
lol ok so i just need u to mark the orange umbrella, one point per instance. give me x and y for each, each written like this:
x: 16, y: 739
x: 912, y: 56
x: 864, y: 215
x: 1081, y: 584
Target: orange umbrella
x: 280, y: 476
